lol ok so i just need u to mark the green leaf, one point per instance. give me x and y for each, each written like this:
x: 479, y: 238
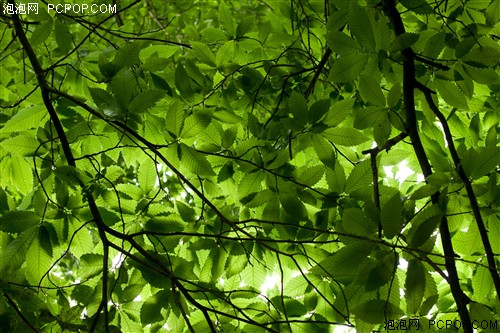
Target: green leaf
x: 194, y: 161
x: 131, y: 292
x: 451, y: 94
x: 196, y: 123
x: 294, y: 207
x: 342, y: 44
x: 17, y: 221
x: 345, y: 136
x: 13, y: 254
x: 347, y: 69
x: 391, y: 216
x: 250, y: 183
x: 39, y: 256
x: 359, y: 177
x: 147, y: 175
x: 338, y: 112
x: 485, y: 56
x: 345, y: 262
x: 225, y: 54
x: 151, y: 308
x: 318, y: 110
x: 174, y: 121
x: 482, y: 283
x: 182, y: 82
x: 434, y: 45
x: 127, y: 55
x: 376, y: 311
x: 22, y: 174
x: 226, y: 19
x: 324, y: 150
x: 63, y: 36
x: 21, y: 145
x: 485, y: 161
x: 123, y: 86
x: 414, y: 285
x: 145, y: 100
x: 421, y: 232
x: 25, y: 119
x: 298, y: 107
x: 203, y: 53
x: 41, y: 33
x: 370, y: 90
x: 90, y: 265
x: 309, y: 176
x: 403, y: 41
x: 360, y: 26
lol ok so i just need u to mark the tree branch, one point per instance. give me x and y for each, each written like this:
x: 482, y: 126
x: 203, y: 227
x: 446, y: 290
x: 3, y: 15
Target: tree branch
x: 467, y: 184
x: 409, y: 82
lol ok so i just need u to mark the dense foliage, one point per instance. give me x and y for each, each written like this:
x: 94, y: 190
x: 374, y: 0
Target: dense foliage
x: 250, y: 166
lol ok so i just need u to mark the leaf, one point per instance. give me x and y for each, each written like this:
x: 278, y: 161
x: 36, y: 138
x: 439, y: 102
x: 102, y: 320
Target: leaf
x: 309, y: 176
x: 25, y: 119
x: 485, y: 56
x: 482, y: 283
x: 338, y: 112
x: 203, y: 53
x: 225, y: 54
x: 39, y: 256
x: 90, y: 265
x: 434, y: 45
x: 15, y: 222
x: 194, y: 161
x: 346, y: 261
x: 451, y: 94
x: 347, y: 69
x: 226, y: 19
x: 174, y: 121
x: 63, y: 36
x: 123, y: 86
x: 294, y: 207
x: 13, y: 254
x: 485, y: 161
x: 376, y: 311
x: 403, y: 41
x: 196, y: 123
x: 370, y: 90
x: 147, y: 175
x: 359, y: 177
x: 391, y: 216
x: 22, y: 174
x: 298, y: 107
x: 421, y: 232
x: 182, y: 82
x: 345, y: 136
x: 324, y: 150
x: 414, y: 285
x: 318, y: 110
x: 131, y: 292
x: 360, y: 26
x: 21, y: 145
x: 127, y: 55
x: 342, y: 44
x: 250, y: 183
x: 145, y: 100
x: 41, y: 33
x: 151, y: 308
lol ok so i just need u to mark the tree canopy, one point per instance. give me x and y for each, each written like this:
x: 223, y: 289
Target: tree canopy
x: 250, y: 166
